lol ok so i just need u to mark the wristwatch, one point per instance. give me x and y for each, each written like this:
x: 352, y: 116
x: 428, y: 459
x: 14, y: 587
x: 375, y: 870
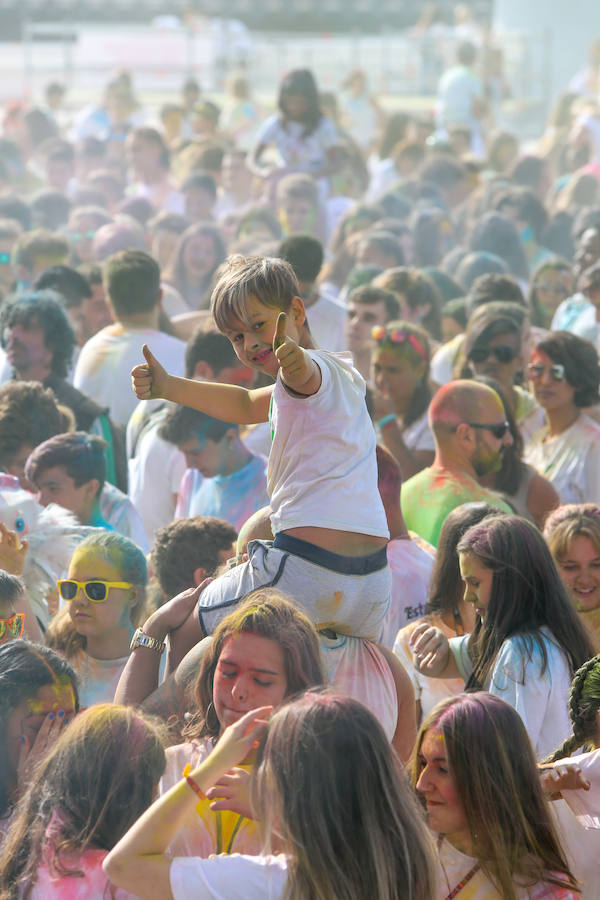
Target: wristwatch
x: 140, y: 639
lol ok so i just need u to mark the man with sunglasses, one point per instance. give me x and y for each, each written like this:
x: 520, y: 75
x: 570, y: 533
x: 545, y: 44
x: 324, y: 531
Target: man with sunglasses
x: 470, y: 433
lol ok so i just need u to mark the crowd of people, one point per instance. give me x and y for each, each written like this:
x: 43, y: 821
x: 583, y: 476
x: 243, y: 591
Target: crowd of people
x: 300, y: 426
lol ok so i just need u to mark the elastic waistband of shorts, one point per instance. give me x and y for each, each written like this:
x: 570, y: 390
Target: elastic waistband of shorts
x: 345, y: 565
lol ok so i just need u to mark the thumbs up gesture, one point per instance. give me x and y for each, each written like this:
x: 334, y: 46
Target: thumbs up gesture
x: 149, y: 380
x: 295, y: 364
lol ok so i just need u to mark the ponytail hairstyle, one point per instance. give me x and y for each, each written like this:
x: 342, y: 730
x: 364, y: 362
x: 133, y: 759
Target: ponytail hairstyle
x: 584, y: 705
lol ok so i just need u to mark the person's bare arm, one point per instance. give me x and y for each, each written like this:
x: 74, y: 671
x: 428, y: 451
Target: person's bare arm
x: 406, y: 728
x: 410, y: 461
x: 541, y: 499
x: 170, y: 699
x: 140, y: 675
x: 432, y: 653
x: 226, y: 402
x: 139, y: 861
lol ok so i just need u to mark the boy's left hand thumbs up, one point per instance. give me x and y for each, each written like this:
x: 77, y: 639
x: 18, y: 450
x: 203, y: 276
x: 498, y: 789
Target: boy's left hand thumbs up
x: 295, y: 364
x: 280, y: 334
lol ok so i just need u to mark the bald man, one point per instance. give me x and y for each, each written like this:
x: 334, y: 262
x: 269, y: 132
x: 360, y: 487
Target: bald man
x: 470, y: 432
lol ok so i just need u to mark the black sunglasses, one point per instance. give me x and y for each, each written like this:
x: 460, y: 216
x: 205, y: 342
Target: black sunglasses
x: 497, y: 430
x: 502, y: 354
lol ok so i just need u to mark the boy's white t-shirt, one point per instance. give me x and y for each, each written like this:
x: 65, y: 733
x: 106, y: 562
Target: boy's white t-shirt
x: 326, y: 320
x: 322, y: 466
x: 233, y: 877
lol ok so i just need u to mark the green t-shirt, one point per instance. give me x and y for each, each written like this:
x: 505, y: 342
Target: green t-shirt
x: 431, y: 494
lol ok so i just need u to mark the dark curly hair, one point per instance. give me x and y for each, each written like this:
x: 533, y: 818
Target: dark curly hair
x: 580, y: 359
x: 43, y: 309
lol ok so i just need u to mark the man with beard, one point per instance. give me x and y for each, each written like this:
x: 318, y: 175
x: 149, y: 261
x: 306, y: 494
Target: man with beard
x: 470, y: 432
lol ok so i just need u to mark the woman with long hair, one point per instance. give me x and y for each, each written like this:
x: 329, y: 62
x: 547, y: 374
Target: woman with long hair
x: 38, y: 696
x: 89, y: 790
x: 527, y: 640
x: 475, y: 771
x: 565, y: 378
x: 104, y: 594
x: 447, y: 608
x: 330, y: 797
x: 262, y: 653
x: 198, y: 253
x: 551, y: 283
x: 571, y: 777
x: 572, y: 533
x: 400, y: 367
x: 305, y: 139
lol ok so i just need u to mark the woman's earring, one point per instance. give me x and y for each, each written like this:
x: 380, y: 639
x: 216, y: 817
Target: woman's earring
x: 210, y: 708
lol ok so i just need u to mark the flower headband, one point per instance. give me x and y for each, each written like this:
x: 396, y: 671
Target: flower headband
x: 397, y: 336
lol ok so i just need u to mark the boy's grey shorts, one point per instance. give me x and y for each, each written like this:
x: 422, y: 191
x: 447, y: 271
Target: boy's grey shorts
x: 346, y: 594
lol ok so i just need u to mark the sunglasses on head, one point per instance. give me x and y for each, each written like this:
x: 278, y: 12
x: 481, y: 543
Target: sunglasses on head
x: 497, y: 430
x: 557, y: 371
x: 397, y: 336
x: 96, y: 591
x: 12, y: 627
x: 502, y: 354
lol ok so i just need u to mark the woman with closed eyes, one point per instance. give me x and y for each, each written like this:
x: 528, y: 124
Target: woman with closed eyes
x: 262, y: 653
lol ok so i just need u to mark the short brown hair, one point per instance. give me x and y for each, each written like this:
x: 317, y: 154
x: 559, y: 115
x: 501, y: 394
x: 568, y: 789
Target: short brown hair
x: 132, y: 281
x: 29, y: 414
x: 41, y: 242
x: 185, y: 545
x: 270, y: 280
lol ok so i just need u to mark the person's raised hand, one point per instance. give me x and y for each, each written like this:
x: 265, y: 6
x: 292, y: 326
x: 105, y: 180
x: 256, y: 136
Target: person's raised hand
x: 13, y: 551
x: 566, y: 777
x: 231, y: 792
x: 172, y: 614
x: 238, y: 739
x: 149, y: 380
x: 383, y: 405
x: 430, y: 648
x: 31, y: 754
x: 295, y: 364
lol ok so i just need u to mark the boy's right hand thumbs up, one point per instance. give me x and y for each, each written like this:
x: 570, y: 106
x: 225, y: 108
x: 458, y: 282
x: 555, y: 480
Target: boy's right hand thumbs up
x: 149, y: 380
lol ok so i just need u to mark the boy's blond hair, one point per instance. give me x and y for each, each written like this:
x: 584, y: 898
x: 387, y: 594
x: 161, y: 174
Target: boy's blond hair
x: 270, y: 280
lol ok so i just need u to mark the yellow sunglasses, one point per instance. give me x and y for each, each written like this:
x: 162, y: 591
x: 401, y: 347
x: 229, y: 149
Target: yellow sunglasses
x: 96, y: 591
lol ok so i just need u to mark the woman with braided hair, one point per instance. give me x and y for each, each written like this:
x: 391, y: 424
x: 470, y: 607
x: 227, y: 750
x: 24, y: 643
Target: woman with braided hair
x: 584, y: 712
x: 575, y: 779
